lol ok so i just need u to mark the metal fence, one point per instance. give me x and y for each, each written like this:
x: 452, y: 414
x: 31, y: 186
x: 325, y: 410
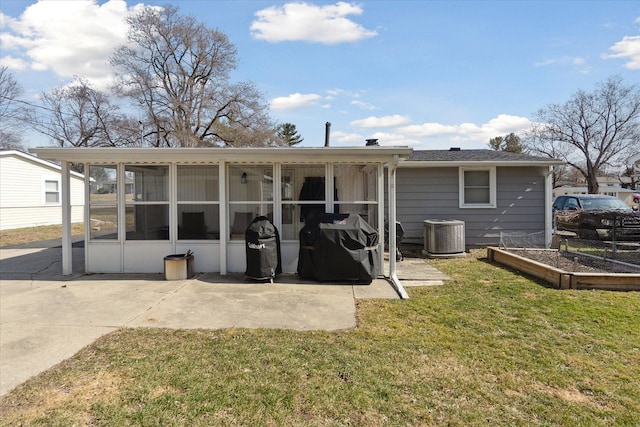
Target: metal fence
x: 608, y: 254
x: 521, y: 240
x: 625, y: 252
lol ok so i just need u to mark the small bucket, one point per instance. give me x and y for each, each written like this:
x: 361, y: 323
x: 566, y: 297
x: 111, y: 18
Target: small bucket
x: 178, y: 267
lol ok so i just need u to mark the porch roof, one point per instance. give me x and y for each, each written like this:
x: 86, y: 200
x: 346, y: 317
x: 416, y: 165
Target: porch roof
x: 105, y: 155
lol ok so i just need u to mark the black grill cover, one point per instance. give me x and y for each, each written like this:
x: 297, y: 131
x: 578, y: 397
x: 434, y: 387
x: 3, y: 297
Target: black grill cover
x: 339, y: 247
x: 263, y: 249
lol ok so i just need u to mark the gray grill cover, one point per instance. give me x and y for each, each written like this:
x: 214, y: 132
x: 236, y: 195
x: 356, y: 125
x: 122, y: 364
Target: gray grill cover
x: 339, y: 247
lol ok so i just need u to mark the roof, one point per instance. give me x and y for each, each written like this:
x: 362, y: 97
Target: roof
x: 37, y: 161
x: 421, y: 158
x: 211, y: 155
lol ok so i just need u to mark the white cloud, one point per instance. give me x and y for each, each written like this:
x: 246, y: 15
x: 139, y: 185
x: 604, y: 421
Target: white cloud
x: 381, y: 122
x: 344, y: 138
x: 580, y: 64
x: 470, y: 132
x: 363, y: 105
x: 69, y: 37
x: 332, y: 93
x: 628, y: 47
x: 339, y: 138
x: 295, y: 100
x: 309, y: 22
x: 430, y: 136
x: 13, y: 63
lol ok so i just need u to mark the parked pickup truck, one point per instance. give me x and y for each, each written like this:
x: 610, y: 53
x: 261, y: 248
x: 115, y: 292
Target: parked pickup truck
x: 594, y: 216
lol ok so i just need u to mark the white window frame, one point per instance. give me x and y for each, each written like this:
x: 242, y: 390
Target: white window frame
x: 492, y: 188
x: 45, y: 191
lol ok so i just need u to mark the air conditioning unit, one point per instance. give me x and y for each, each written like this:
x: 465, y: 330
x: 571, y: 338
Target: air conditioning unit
x: 444, y: 238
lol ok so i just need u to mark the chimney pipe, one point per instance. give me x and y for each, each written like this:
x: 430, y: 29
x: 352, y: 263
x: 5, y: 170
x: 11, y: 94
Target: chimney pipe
x: 327, y: 129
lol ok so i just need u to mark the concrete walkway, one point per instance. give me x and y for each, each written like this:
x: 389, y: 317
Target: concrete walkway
x: 46, y: 318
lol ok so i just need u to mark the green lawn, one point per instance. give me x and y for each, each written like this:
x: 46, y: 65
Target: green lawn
x: 490, y: 348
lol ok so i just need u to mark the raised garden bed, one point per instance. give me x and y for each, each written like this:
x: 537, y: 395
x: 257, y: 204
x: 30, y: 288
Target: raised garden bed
x: 568, y: 274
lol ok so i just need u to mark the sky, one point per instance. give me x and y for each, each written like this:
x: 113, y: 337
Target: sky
x: 423, y: 74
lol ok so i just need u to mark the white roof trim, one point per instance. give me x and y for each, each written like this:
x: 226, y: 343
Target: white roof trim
x: 214, y: 155
x: 36, y: 160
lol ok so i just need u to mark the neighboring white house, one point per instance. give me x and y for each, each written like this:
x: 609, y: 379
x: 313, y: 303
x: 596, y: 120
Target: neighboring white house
x: 30, y: 192
x: 607, y: 186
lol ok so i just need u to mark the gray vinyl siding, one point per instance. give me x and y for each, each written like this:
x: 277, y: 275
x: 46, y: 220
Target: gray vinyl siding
x: 432, y: 193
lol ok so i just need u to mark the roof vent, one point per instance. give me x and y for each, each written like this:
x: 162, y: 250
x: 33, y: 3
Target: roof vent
x: 371, y: 142
x: 454, y: 149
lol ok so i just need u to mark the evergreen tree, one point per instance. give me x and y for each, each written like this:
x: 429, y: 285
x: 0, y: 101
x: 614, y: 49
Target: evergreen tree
x: 289, y: 134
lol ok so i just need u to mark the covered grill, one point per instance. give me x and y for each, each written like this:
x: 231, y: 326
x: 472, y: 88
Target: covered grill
x: 263, y: 250
x: 339, y: 247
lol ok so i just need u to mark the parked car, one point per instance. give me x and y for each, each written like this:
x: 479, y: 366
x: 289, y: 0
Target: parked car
x: 594, y: 216
x: 636, y: 196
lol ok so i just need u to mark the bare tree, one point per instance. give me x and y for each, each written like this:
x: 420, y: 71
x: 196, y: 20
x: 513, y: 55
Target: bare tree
x: 80, y: 116
x: 177, y: 71
x: 12, y: 111
x: 591, y: 130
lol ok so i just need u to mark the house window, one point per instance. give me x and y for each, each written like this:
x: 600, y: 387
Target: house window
x: 303, y: 196
x: 198, y: 202
x: 51, y: 191
x: 477, y: 187
x: 250, y: 195
x: 357, y: 191
x: 103, y: 202
x: 147, y: 207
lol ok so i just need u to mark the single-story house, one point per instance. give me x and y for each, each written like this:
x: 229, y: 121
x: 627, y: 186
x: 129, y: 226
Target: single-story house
x: 202, y: 199
x: 30, y: 192
x: 493, y: 192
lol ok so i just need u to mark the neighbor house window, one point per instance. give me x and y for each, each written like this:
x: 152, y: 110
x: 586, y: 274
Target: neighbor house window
x: 103, y: 202
x: 477, y: 187
x: 198, y: 202
x: 147, y: 207
x: 51, y: 191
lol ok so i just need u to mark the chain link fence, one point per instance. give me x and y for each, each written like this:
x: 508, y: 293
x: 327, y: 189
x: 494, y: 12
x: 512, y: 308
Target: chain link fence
x: 522, y: 240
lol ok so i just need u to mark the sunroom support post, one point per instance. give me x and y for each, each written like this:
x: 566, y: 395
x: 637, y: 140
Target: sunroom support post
x: 395, y: 281
x: 67, y: 253
x: 223, y: 211
x: 381, y: 212
x: 548, y: 200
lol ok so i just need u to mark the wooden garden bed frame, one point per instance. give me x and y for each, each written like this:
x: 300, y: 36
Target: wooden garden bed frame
x: 561, y: 279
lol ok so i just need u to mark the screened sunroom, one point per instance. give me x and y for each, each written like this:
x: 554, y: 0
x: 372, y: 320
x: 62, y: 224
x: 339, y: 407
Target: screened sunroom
x: 146, y: 203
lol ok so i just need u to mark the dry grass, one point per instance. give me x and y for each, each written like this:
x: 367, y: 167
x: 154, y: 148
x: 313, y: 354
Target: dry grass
x: 34, y: 234
x: 490, y: 348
